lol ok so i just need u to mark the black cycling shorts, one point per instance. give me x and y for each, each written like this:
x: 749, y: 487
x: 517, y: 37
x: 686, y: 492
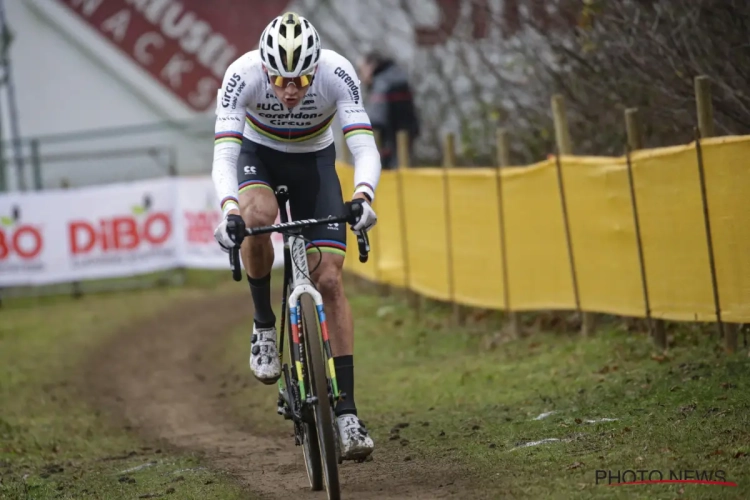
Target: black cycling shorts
x: 314, y: 188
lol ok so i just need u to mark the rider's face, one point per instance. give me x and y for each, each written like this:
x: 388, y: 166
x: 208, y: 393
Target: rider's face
x: 291, y: 95
x: 290, y: 91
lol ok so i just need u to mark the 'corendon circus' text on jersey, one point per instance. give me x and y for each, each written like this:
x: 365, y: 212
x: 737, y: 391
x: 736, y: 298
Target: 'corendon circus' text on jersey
x: 246, y: 106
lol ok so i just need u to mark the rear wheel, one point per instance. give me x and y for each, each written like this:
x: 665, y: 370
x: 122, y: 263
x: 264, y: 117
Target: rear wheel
x: 319, y: 388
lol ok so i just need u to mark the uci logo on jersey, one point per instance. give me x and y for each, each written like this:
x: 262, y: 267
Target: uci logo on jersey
x: 269, y: 106
x: 250, y: 170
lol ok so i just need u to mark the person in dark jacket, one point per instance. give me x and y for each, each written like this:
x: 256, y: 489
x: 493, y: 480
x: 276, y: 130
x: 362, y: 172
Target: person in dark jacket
x: 389, y: 103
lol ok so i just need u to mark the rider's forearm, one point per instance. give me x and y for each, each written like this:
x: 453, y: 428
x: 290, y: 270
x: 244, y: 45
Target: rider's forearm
x: 366, y: 163
x: 224, y: 171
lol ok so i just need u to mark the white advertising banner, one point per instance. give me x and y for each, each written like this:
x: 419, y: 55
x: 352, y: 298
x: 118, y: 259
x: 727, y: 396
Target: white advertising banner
x: 198, y: 217
x: 111, y: 231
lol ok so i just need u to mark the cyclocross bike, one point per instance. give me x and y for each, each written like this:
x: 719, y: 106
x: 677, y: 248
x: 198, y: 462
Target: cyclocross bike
x: 307, y: 393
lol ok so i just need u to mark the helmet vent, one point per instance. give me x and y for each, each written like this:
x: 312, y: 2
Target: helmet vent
x: 272, y: 62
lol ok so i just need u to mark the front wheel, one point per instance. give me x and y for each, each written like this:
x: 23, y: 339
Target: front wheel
x: 319, y: 388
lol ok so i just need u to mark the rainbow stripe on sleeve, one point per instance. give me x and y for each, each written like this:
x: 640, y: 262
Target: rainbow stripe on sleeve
x: 229, y: 200
x: 356, y: 129
x: 228, y: 136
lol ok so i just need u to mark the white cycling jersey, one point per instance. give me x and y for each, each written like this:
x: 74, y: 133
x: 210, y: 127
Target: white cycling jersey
x: 247, y: 106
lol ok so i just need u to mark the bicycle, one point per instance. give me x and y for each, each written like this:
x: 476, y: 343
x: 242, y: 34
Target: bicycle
x: 307, y: 394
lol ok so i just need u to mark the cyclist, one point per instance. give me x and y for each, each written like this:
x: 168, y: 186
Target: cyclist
x: 273, y: 117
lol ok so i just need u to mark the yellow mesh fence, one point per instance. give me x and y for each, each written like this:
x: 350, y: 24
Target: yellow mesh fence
x: 452, y: 238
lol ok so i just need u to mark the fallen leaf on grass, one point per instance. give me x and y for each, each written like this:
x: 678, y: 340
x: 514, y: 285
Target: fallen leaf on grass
x: 715, y: 452
x: 575, y: 465
x: 661, y: 358
x: 740, y: 454
x: 689, y: 408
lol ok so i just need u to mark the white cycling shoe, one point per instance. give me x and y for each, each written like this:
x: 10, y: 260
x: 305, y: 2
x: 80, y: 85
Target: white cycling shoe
x: 264, y: 357
x: 354, y: 440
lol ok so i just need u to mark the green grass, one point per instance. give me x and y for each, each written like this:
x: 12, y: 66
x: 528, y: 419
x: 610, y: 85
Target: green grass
x: 53, y: 445
x: 431, y: 391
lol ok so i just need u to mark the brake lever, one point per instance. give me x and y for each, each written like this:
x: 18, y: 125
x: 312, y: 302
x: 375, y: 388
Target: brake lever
x: 234, y: 262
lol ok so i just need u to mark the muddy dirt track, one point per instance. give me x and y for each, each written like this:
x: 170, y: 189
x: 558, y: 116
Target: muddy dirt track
x: 161, y: 377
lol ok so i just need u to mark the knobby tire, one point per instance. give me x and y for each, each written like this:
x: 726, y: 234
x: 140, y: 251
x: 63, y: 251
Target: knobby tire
x: 310, y: 446
x: 319, y: 388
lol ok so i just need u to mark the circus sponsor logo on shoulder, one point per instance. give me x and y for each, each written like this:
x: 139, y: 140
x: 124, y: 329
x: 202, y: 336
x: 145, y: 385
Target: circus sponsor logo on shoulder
x: 234, y: 87
x: 21, y: 243
x: 140, y: 234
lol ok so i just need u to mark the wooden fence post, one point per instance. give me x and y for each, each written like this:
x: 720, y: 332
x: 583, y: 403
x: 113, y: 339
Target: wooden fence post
x: 565, y: 147
x: 704, y: 106
x: 404, y: 162
x: 707, y: 128
x: 449, y: 161
x: 503, y: 161
x: 634, y: 129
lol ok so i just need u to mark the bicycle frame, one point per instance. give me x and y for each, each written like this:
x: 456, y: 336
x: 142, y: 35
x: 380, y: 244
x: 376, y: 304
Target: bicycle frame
x: 296, y: 258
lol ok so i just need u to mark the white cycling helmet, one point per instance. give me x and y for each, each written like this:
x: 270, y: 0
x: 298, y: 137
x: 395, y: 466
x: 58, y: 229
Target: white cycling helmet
x: 290, y: 46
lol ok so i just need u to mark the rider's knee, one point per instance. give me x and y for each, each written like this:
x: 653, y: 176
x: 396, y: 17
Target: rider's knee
x: 328, y: 279
x: 258, y: 208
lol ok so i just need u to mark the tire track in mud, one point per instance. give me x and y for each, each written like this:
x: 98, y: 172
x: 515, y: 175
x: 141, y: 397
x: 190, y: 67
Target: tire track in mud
x: 157, y: 377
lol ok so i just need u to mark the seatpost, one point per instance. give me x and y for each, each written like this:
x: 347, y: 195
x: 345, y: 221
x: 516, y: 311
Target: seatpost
x: 282, y: 196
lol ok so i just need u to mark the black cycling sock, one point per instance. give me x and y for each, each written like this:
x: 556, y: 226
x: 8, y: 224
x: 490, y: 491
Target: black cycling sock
x: 261, y: 291
x: 344, y: 366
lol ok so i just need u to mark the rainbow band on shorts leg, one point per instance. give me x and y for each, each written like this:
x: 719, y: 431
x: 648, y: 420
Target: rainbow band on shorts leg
x: 326, y: 246
x: 357, y: 129
x: 248, y: 185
